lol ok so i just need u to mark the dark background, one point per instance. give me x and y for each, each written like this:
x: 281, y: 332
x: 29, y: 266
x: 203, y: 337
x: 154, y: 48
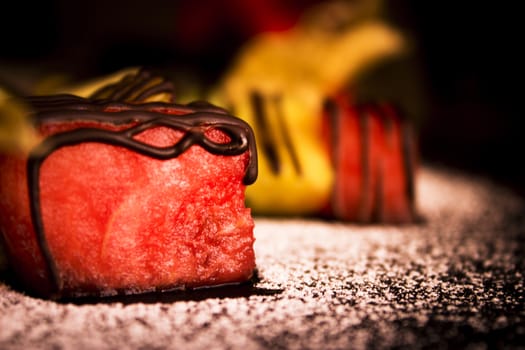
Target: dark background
x: 466, y: 52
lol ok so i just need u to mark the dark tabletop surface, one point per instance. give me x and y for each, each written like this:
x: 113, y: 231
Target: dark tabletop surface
x: 455, y: 280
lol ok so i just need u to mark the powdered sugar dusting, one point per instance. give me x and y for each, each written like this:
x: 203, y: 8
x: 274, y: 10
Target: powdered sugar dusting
x: 454, y: 280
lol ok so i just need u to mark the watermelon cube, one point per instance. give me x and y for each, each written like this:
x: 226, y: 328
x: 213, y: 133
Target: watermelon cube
x: 124, y: 198
x: 373, y: 152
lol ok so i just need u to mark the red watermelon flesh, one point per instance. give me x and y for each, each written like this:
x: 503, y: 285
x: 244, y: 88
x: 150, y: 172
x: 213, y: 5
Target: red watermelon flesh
x: 345, y: 140
x: 388, y: 192
x: 372, y: 167
x: 118, y: 221
x: 373, y: 160
x: 397, y: 204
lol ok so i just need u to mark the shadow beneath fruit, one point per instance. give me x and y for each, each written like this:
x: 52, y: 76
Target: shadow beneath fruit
x: 235, y: 291
x: 6, y: 275
x: 8, y: 278
x: 229, y: 291
x: 222, y: 292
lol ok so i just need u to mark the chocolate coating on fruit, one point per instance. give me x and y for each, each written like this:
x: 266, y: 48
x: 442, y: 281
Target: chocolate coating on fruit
x: 137, y: 87
x: 268, y: 143
x: 194, y: 120
x: 372, y: 150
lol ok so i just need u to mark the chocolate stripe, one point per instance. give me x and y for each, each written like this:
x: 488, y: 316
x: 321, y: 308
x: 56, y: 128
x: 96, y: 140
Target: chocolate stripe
x: 408, y: 164
x: 333, y: 111
x: 389, y: 125
x: 162, y: 87
x: 265, y: 135
x: 378, y: 211
x: 285, y: 133
x: 137, y: 88
x: 407, y: 154
x: 134, y: 86
x: 194, y: 122
x: 109, y: 91
x: 366, y: 196
x: 185, y: 118
x: 122, y: 88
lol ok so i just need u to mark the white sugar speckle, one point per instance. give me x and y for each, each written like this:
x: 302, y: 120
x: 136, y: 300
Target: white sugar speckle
x: 453, y: 281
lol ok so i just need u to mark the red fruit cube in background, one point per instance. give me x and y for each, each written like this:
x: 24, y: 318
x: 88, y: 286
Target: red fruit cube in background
x: 373, y: 155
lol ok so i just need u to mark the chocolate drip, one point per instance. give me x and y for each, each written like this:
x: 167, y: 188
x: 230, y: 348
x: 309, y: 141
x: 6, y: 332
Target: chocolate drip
x: 408, y: 163
x: 286, y: 136
x: 407, y: 152
x: 265, y: 137
x: 388, y: 119
x: 135, y: 87
x: 332, y: 111
x: 194, y: 120
x: 378, y: 195
x: 365, y: 131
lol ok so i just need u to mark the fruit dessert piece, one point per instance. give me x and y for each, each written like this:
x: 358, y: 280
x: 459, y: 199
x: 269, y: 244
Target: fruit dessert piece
x: 134, y: 85
x: 278, y: 84
x: 373, y: 151
x: 128, y: 198
x: 296, y: 176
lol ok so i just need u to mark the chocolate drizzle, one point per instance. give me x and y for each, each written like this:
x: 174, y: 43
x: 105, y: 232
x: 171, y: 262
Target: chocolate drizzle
x: 407, y: 138
x: 135, y: 87
x: 408, y: 163
x: 375, y: 151
x: 266, y: 138
x: 365, y: 197
x: 285, y: 132
x: 194, y: 120
x: 333, y: 111
x: 269, y: 137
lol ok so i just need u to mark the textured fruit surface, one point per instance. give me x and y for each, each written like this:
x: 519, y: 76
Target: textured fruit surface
x: 373, y: 154
x: 116, y: 220
x: 344, y: 138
